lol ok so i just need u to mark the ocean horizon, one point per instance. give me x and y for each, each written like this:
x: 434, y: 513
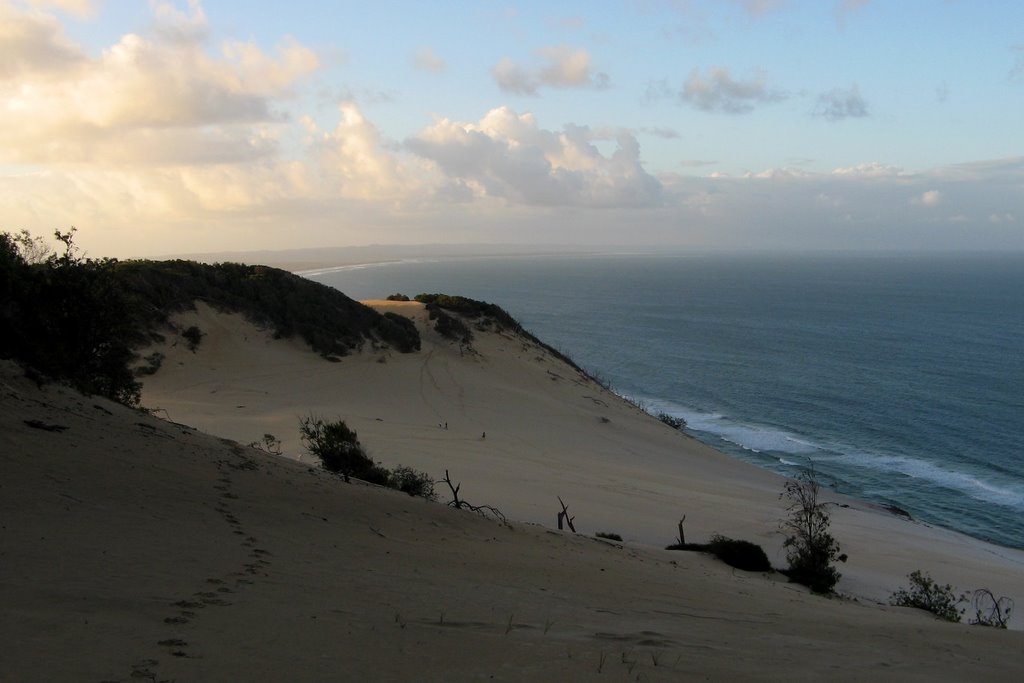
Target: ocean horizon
x: 899, y: 378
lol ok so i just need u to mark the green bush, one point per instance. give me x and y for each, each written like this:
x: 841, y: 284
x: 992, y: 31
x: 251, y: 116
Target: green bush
x: 671, y: 420
x: 193, y: 335
x: 336, y: 446
x: 744, y: 555
x: 398, y: 297
x: 925, y: 594
x: 67, y: 317
x: 414, y: 483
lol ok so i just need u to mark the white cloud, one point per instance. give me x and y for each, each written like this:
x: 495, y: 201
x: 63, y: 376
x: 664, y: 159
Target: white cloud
x: 719, y: 91
x: 33, y: 44
x: 839, y: 104
x: 927, y: 198
x: 80, y: 8
x: 999, y: 219
x: 870, y: 170
x: 427, y: 60
x: 561, y: 67
x: 159, y: 95
x: 508, y: 156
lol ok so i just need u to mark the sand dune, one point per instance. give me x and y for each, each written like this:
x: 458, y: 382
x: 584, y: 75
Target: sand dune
x: 138, y: 548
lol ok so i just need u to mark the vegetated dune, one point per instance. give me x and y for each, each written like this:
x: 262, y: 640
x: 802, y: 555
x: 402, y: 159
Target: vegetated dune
x: 140, y: 548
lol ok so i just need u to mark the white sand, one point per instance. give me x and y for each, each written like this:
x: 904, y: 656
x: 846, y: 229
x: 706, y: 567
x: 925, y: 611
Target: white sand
x: 124, y: 531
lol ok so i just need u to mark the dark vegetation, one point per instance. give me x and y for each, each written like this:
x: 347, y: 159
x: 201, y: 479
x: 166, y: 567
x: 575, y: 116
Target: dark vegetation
x: 78, y: 320
x: 925, y: 594
x: 484, y: 316
x: 330, y: 322
x: 397, y: 297
x: 744, y: 555
x: 609, y: 536
x: 338, y: 448
x: 810, y: 548
x: 671, y: 420
x: 66, y: 317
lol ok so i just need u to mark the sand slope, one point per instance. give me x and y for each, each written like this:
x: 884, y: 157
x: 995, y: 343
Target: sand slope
x: 549, y: 432
x: 137, y: 549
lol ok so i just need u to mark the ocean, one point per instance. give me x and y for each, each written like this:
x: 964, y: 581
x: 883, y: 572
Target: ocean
x: 900, y: 378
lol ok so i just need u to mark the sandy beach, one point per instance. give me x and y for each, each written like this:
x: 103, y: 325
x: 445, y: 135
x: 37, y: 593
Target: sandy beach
x: 165, y: 549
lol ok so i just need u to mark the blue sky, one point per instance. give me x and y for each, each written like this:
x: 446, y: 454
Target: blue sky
x: 758, y: 124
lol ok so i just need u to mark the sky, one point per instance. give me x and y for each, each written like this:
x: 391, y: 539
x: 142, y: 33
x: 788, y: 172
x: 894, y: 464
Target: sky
x: 196, y: 126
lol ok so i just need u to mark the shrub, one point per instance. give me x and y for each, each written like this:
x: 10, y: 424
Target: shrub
x: 609, y: 535
x: 412, y: 482
x: 744, y: 555
x: 448, y: 326
x: 398, y: 297
x: 925, y: 594
x: 193, y: 335
x: 336, y: 446
x: 66, y: 317
x: 811, y: 549
x: 339, y: 451
x: 671, y: 420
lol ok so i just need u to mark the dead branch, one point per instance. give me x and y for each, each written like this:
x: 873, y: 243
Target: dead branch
x: 564, y: 515
x: 458, y: 504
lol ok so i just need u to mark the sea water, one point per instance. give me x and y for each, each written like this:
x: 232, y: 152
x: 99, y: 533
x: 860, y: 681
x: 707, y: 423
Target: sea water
x: 901, y: 379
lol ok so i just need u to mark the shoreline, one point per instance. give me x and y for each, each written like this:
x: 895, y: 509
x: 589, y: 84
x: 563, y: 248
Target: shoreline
x: 906, y: 467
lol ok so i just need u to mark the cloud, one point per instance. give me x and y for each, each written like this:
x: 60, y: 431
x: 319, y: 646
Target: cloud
x: 165, y: 95
x: 33, y: 44
x: 508, y: 156
x: 871, y: 169
x: 426, y: 60
x: 927, y: 198
x: 839, y: 104
x: 79, y: 8
x: 562, y: 67
x: 718, y: 91
x: 663, y: 133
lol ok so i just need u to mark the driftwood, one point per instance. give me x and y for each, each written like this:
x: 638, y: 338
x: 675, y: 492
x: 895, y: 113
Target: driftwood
x: 564, y: 516
x: 459, y: 504
x: 682, y: 536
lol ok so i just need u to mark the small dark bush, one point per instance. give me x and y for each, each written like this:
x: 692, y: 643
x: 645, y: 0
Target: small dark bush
x: 412, y: 482
x: 744, y: 555
x: 610, y: 536
x: 925, y: 594
x: 336, y: 446
x: 339, y: 451
x: 671, y: 420
x: 398, y: 297
x: 450, y: 327
x: 193, y: 335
